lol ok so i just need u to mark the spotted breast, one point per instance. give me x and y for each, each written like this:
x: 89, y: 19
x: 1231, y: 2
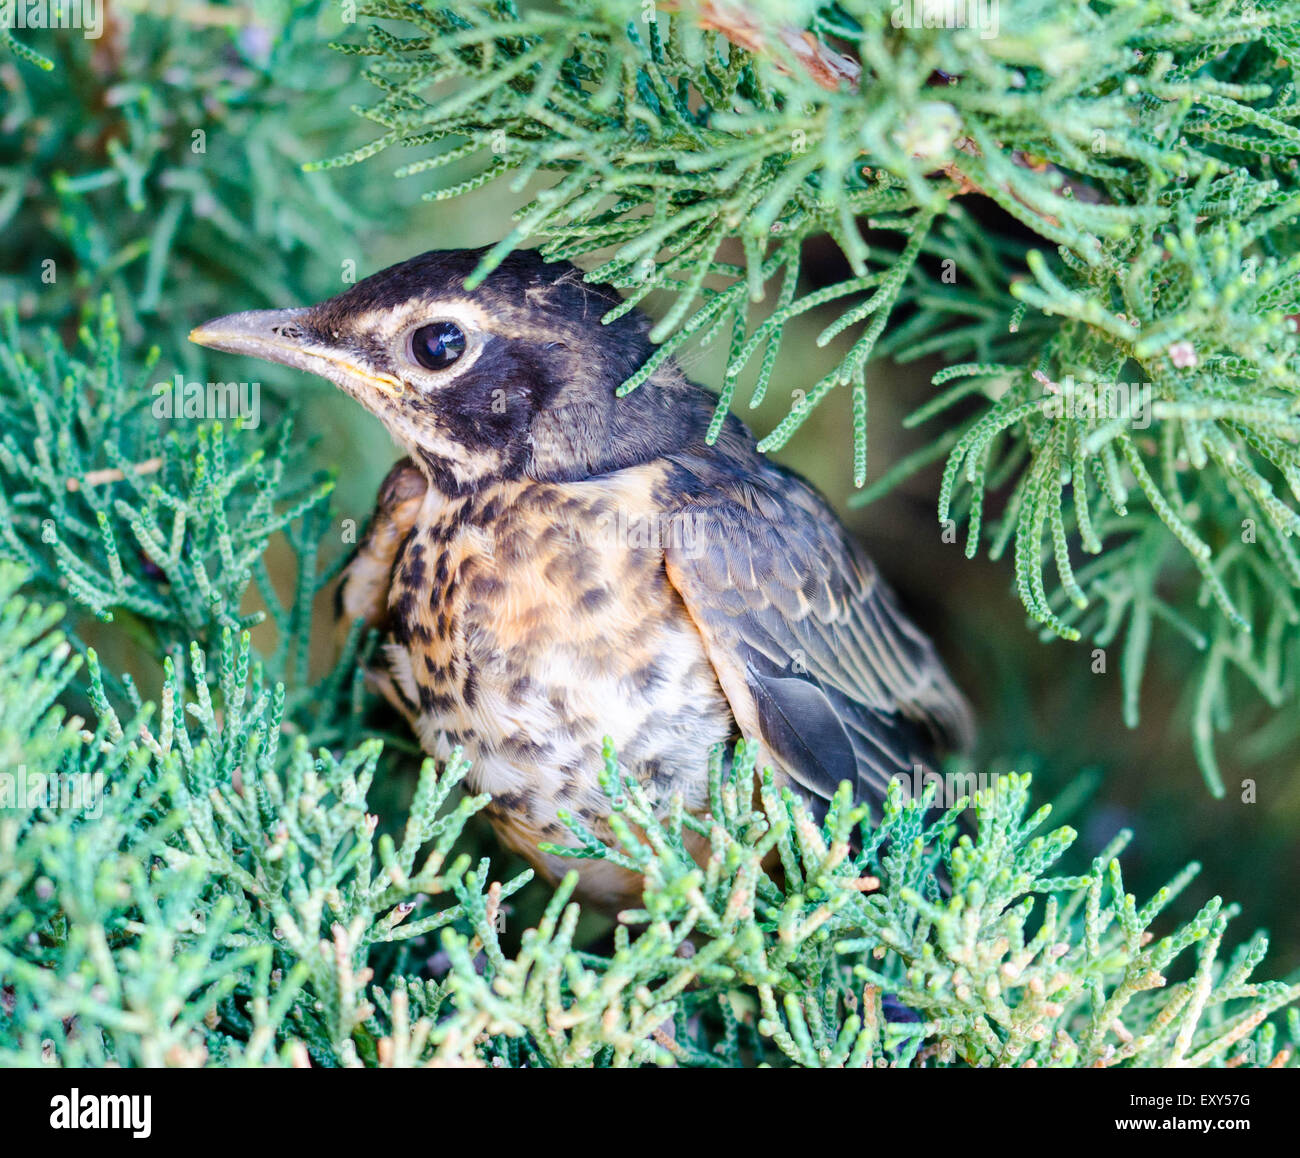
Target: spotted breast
x: 526, y: 622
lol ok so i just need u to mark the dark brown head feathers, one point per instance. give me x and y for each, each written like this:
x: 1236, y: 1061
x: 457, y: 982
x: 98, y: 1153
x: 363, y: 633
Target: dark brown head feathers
x: 515, y: 378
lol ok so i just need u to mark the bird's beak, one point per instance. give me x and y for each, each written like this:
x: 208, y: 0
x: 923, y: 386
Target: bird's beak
x: 281, y: 336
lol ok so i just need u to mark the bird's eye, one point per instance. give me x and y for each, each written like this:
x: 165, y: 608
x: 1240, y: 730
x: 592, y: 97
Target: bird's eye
x: 437, y: 345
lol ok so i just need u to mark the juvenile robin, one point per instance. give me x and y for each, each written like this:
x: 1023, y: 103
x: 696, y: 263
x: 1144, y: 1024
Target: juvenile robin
x: 551, y: 564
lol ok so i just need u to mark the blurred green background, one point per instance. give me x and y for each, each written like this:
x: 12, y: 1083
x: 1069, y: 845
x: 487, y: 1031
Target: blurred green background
x: 98, y: 172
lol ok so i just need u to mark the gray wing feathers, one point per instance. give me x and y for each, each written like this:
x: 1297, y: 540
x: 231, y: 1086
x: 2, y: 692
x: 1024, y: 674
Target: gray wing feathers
x: 841, y: 679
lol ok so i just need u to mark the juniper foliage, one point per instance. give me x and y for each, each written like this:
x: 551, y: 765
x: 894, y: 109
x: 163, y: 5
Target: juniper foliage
x: 159, y: 163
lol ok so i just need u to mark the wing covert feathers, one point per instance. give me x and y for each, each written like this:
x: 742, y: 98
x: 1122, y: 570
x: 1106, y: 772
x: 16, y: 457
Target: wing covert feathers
x: 809, y: 643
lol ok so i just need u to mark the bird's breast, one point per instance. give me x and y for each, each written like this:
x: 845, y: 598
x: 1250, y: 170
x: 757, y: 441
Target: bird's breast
x: 530, y: 621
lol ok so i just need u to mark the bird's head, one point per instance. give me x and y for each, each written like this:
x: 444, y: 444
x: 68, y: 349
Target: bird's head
x: 515, y: 378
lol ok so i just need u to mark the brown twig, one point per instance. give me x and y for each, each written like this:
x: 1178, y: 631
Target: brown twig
x: 831, y: 70
x: 98, y: 478
x: 825, y: 67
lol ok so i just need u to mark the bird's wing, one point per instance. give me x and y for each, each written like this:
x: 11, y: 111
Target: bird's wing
x: 811, y: 648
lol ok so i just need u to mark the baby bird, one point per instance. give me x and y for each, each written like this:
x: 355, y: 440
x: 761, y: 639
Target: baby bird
x: 551, y: 564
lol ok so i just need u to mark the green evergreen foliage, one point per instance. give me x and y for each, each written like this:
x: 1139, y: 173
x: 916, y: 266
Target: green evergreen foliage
x: 245, y: 890
x: 96, y: 503
x: 146, y: 163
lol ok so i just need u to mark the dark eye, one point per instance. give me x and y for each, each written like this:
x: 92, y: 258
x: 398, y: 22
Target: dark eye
x: 437, y: 345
